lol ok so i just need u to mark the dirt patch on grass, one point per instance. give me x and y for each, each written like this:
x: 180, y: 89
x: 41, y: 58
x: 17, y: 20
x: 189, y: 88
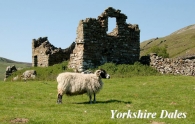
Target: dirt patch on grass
x: 19, y: 120
x: 154, y: 122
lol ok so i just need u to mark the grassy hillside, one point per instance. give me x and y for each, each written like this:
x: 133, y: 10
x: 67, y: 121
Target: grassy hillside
x: 179, y: 43
x: 34, y: 102
x: 6, y: 62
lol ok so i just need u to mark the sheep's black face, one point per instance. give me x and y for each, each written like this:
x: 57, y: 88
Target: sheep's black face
x: 103, y: 74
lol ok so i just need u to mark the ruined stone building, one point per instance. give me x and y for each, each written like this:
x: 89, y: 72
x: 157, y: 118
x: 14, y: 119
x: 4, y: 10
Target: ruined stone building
x: 45, y: 54
x: 94, y: 46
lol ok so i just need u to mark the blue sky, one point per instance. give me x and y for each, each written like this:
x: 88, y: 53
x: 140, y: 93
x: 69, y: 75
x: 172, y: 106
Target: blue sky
x: 24, y: 20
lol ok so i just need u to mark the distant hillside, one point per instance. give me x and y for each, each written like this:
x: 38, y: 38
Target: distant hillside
x: 179, y: 43
x: 7, y: 62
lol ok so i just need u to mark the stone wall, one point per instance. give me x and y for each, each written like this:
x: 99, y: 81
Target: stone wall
x: 94, y: 46
x: 177, y: 66
x: 45, y: 54
x: 9, y: 70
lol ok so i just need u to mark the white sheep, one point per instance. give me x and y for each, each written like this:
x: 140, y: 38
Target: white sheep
x: 78, y: 83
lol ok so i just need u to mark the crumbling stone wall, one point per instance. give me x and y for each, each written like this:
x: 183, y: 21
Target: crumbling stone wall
x: 9, y: 70
x: 94, y: 46
x: 176, y: 66
x: 45, y: 54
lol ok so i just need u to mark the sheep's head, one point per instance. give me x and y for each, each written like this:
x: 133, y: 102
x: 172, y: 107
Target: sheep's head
x: 102, y: 73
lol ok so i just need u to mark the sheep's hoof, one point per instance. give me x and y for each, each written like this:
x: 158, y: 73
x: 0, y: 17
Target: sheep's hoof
x: 59, y: 101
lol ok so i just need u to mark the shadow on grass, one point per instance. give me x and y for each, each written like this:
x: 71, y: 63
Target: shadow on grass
x: 104, y: 102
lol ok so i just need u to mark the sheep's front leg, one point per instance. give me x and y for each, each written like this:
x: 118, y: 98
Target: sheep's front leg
x: 90, y: 97
x: 94, y: 100
x: 59, y: 100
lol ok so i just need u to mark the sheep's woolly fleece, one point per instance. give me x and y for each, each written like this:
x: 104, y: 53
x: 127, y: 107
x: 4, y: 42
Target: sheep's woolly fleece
x: 76, y: 83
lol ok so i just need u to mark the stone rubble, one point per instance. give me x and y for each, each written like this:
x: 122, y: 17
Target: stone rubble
x: 9, y: 70
x: 176, y: 66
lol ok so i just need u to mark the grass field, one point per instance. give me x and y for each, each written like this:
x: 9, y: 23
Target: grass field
x: 34, y: 102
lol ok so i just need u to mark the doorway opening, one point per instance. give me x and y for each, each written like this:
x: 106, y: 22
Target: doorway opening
x: 35, y: 61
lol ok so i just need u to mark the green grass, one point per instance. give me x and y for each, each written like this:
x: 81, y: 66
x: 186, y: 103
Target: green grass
x: 36, y: 101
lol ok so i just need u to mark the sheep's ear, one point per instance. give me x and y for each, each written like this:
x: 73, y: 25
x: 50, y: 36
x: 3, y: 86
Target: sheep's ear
x: 98, y: 73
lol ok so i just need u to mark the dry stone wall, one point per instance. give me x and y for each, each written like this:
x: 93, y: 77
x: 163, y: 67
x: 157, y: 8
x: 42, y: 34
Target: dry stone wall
x: 94, y: 46
x: 177, y: 66
x: 45, y: 54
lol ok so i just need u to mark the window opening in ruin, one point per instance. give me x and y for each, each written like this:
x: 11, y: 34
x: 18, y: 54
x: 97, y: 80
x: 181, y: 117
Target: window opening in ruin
x: 111, y: 24
x: 35, y: 61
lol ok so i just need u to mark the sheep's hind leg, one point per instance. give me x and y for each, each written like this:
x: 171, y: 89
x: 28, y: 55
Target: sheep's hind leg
x: 59, y: 100
x: 90, y: 97
x: 94, y: 99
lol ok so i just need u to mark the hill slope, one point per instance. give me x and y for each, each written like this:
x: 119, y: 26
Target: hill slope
x: 7, y: 62
x: 179, y: 43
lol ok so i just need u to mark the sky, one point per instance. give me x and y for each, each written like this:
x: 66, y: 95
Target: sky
x: 24, y: 20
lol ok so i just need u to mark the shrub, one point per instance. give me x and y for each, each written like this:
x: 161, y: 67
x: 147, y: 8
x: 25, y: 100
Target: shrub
x: 161, y: 51
x: 127, y: 70
x: 109, y: 67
